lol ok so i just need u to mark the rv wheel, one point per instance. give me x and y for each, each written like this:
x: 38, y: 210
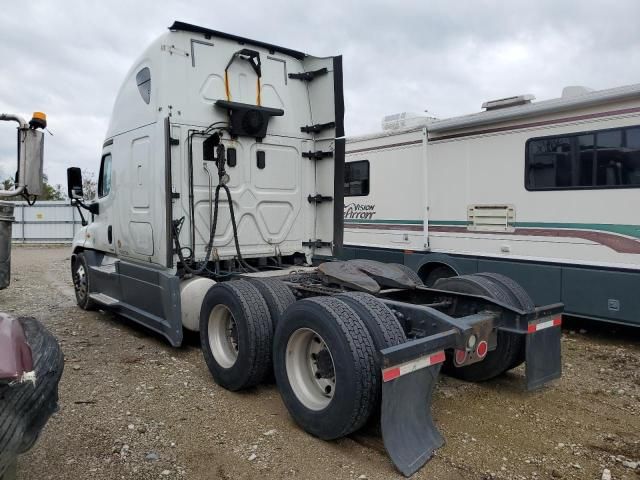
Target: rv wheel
x: 509, y: 345
x: 80, y: 276
x: 324, y: 363
x: 236, y: 334
x: 441, y: 271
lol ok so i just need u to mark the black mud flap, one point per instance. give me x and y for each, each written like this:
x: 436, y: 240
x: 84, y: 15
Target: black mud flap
x: 543, y: 361
x: 408, y: 432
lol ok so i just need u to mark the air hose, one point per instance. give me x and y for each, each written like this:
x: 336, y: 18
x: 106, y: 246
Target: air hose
x: 222, y: 180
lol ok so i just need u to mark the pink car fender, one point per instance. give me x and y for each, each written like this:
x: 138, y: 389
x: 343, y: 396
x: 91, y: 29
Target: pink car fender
x: 15, y: 354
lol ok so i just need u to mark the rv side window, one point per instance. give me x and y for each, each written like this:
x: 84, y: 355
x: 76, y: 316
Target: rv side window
x: 104, y: 182
x: 600, y: 159
x: 143, y: 80
x: 356, y: 178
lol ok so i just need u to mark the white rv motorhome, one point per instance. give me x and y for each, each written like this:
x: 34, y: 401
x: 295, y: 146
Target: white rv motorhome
x: 221, y: 177
x: 545, y: 192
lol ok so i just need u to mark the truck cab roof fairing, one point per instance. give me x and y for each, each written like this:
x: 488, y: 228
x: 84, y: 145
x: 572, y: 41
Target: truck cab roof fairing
x: 187, y: 27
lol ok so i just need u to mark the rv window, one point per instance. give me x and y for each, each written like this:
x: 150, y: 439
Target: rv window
x: 104, y: 182
x: 143, y: 80
x: 356, y: 178
x: 601, y: 159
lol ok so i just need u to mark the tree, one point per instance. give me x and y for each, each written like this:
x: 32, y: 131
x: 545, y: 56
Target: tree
x: 89, y: 185
x: 50, y: 192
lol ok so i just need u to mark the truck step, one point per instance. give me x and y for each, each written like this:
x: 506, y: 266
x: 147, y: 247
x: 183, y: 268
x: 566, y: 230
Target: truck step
x: 109, y: 268
x: 104, y: 299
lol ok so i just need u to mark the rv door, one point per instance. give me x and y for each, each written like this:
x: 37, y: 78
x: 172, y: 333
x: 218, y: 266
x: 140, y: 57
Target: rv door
x: 324, y: 83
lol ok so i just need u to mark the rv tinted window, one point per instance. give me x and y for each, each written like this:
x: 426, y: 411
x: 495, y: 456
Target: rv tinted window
x: 104, y: 182
x: 356, y: 178
x: 600, y: 159
x: 143, y: 80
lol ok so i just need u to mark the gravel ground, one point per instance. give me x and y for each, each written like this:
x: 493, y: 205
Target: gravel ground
x: 133, y: 407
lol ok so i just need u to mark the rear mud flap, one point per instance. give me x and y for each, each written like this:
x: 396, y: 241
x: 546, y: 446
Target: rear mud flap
x: 408, y: 432
x: 543, y: 361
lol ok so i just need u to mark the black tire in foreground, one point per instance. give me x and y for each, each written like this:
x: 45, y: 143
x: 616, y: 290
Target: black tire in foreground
x: 509, y: 351
x: 25, y: 407
x: 80, y: 277
x: 277, y: 295
x: 324, y: 363
x: 236, y: 334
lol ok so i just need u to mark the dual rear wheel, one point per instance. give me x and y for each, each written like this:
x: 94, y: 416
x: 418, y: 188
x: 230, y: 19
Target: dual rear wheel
x: 324, y: 349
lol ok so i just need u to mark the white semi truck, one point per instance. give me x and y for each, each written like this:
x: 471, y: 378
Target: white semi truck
x: 221, y: 179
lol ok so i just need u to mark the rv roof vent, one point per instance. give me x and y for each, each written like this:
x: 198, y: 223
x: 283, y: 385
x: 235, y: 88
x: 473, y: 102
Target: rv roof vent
x: 575, y: 91
x: 402, y: 120
x: 508, y: 102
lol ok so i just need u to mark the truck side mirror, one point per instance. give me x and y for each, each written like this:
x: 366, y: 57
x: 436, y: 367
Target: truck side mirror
x: 74, y: 183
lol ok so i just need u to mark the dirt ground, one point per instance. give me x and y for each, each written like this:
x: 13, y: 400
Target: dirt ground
x: 132, y: 407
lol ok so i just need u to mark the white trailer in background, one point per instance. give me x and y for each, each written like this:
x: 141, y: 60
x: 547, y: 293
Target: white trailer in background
x: 545, y: 192
x: 223, y: 165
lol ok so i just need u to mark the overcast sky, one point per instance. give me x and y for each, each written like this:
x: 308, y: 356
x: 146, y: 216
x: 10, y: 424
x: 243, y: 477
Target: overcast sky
x: 68, y: 58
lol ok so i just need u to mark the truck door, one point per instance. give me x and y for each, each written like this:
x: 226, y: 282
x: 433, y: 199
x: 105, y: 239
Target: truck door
x: 101, y: 230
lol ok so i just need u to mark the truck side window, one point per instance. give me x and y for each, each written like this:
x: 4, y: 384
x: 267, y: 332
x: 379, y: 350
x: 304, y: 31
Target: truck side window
x: 597, y: 159
x: 143, y: 80
x: 356, y: 178
x: 104, y: 182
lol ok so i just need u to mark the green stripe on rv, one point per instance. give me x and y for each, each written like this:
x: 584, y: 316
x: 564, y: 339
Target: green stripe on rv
x: 629, y: 230
x: 393, y: 222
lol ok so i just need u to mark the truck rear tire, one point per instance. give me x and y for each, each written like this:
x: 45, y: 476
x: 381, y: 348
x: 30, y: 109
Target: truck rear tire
x: 236, y: 334
x: 81, y: 285
x: 508, y: 351
x: 324, y: 363
x: 519, y: 296
x: 382, y: 324
x: 409, y: 273
x: 520, y: 299
x: 277, y: 295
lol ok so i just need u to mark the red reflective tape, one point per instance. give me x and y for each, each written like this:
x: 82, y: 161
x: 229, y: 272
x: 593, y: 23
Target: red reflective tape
x: 437, y: 357
x: 392, y: 373
x: 536, y: 327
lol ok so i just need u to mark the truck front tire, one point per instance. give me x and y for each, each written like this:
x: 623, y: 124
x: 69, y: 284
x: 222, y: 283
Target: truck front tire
x: 81, y: 282
x: 236, y: 334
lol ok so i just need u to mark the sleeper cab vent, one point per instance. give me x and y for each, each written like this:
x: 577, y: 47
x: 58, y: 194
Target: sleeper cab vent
x: 491, y: 218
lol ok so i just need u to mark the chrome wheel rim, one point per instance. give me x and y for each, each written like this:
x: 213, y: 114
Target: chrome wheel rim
x: 310, y: 369
x: 80, y: 282
x: 223, y: 336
